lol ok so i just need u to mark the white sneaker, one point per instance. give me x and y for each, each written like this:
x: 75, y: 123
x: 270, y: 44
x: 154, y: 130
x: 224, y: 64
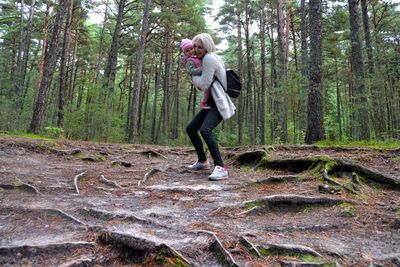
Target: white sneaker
x: 219, y: 173
x: 197, y: 166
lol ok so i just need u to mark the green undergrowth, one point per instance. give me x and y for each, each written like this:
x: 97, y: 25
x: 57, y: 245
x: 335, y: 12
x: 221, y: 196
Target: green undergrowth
x: 368, y: 144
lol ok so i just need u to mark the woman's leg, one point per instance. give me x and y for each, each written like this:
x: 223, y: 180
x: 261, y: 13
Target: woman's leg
x: 192, y: 130
x: 211, y: 120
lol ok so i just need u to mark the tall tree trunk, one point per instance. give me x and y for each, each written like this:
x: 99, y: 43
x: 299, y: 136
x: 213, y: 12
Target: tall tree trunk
x: 101, y: 44
x: 111, y: 67
x: 274, y: 84
x: 138, y: 73
x: 41, y: 61
x: 166, y: 84
x: 154, y: 108
x: 338, y: 101
x: 263, y: 75
x: 315, y: 103
x: 249, y: 83
x: 175, y: 128
x: 292, y: 30
x: 361, y: 114
x: 240, y: 70
x: 63, y: 66
x: 304, y: 68
x: 23, y: 62
x: 282, y: 79
x: 49, y: 66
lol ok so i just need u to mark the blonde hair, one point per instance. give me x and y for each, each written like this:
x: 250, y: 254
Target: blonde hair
x: 206, y: 40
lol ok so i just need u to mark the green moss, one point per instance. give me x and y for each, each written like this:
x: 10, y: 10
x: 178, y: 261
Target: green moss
x: 163, y: 258
x: 348, y: 209
x: 306, y: 257
x: 309, y: 258
x: 17, y: 182
x: 252, y: 205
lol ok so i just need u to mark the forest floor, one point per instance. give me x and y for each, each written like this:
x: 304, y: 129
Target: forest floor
x: 75, y: 203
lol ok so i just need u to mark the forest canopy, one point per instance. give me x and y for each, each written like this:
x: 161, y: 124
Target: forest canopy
x: 311, y: 70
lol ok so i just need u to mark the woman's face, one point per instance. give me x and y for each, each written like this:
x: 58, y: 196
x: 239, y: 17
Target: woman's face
x: 199, y: 49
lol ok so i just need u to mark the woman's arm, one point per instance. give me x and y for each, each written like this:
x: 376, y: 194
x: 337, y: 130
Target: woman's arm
x: 206, y: 78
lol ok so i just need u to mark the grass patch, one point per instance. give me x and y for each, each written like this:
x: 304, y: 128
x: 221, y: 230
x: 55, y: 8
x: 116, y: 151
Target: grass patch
x: 369, y: 144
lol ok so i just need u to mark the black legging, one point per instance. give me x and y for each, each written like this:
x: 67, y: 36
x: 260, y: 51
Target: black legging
x: 205, y: 121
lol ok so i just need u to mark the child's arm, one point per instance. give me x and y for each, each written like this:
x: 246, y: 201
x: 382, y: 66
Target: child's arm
x: 191, y: 68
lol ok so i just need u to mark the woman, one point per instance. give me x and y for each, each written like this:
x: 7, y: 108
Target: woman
x: 221, y: 107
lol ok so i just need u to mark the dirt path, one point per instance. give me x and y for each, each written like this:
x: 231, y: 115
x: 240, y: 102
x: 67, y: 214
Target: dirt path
x: 92, y: 204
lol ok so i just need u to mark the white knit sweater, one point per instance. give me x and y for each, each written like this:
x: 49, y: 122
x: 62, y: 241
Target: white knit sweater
x: 212, y: 65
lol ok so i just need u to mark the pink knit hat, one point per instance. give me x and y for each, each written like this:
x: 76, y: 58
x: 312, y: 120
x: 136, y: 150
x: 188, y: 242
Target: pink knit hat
x: 186, y: 43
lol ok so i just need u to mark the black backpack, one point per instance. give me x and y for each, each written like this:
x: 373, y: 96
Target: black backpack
x: 234, y: 86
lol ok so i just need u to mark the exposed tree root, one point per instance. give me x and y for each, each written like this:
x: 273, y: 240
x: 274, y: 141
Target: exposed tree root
x: 250, y: 246
x: 148, y: 175
x: 104, y: 180
x: 21, y: 186
x: 76, y: 180
x: 308, y: 228
x: 251, y: 157
x: 152, y: 153
x: 65, y: 152
x: 93, y: 158
x: 80, y: 261
x: 290, y: 201
x: 30, y: 251
x: 285, y: 263
x: 286, y: 249
x: 223, y: 255
x: 104, y: 215
x: 332, y: 165
x: 121, y: 163
x: 142, y: 246
x: 64, y: 215
x: 341, y: 185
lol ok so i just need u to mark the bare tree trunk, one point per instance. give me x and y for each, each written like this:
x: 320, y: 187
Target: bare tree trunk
x: 175, y: 128
x: 282, y: 79
x: 240, y: 70
x: 101, y: 44
x: 166, y: 84
x: 63, y: 67
x: 154, y: 108
x: 263, y: 75
x: 49, y: 66
x: 361, y: 113
x: 315, y: 103
x: 338, y: 101
x: 249, y: 99
x: 23, y: 63
x: 138, y: 73
x: 111, y: 67
x: 304, y: 68
x: 274, y: 84
x: 41, y: 61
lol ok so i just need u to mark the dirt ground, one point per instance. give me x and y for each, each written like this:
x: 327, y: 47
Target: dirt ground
x: 70, y: 203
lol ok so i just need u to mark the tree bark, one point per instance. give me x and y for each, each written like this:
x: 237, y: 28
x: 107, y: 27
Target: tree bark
x: 240, y: 70
x: 263, y: 75
x: 49, y: 66
x: 63, y: 67
x: 111, y: 67
x: 315, y: 107
x: 138, y: 73
x: 361, y: 112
